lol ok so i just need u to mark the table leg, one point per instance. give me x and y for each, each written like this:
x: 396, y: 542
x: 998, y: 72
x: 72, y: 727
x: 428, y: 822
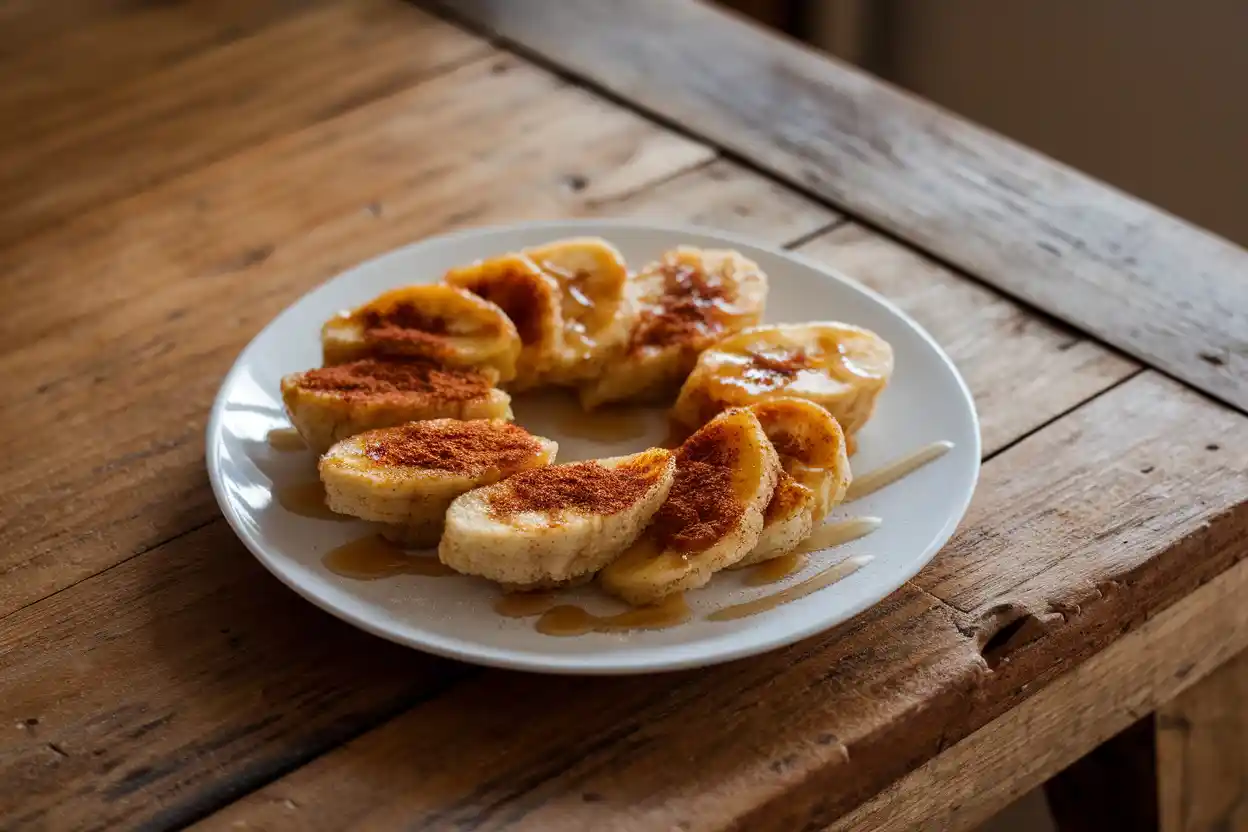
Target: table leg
x: 1112, y: 787
x: 1202, y: 754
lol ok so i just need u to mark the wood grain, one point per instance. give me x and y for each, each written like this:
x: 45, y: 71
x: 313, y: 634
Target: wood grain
x: 1202, y: 747
x: 282, y: 78
x: 1045, y: 370
x: 1138, y: 673
x: 111, y: 43
x: 182, y: 276
x: 1170, y: 294
x: 215, y: 677
x: 797, y: 738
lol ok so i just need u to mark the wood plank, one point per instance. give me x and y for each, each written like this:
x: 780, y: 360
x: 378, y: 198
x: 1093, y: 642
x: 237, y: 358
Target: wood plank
x: 181, y: 277
x: 111, y: 44
x: 1202, y: 747
x: 1137, y: 674
x: 1170, y: 294
x: 1113, y: 786
x: 1116, y: 466
x: 797, y: 738
x: 1022, y: 369
x: 215, y: 677
x: 179, y: 681
x: 280, y: 79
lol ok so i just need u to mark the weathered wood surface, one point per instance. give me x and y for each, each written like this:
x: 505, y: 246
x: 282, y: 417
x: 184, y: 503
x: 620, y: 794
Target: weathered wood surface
x: 797, y: 738
x: 152, y: 672
x: 1202, y: 748
x: 1170, y: 294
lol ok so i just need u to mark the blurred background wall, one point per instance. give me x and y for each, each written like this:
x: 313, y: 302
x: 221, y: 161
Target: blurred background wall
x: 1149, y: 95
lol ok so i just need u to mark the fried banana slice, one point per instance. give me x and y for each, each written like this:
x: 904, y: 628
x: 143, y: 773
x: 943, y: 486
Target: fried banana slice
x: 442, y: 323
x: 407, y: 476
x: 840, y: 367
x: 531, y: 299
x: 787, y: 521
x: 331, y: 403
x: 725, y: 476
x: 552, y: 526
x: 591, y: 275
x: 683, y: 303
x: 812, y: 447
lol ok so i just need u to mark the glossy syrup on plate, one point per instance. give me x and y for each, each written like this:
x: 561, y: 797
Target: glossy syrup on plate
x: 372, y: 557
x: 569, y: 620
x: 307, y: 499
x: 827, y: 577
x: 823, y: 537
x: 873, y: 481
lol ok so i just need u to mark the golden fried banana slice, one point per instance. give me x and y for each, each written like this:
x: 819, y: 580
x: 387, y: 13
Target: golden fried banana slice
x: 554, y: 525
x: 591, y: 275
x: 812, y: 448
x: 725, y: 476
x: 683, y: 304
x: 840, y: 367
x: 407, y: 476
x: 331, y: 403
x: 531, y: 299
x: 442, y: 323
x: 787, y: 521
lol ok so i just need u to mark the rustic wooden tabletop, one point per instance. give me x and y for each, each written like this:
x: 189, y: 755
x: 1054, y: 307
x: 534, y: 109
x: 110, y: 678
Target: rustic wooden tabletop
x: 175, y: 174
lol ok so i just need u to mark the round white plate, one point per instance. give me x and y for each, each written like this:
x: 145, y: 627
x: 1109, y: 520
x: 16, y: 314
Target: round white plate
x: 926, y: 401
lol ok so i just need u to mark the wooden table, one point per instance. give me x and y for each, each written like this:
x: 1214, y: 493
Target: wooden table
x: 175, y: 174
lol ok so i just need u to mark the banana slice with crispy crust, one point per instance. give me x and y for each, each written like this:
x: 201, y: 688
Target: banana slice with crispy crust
x: 787, y: 521
x: 407, y: 476
x: 683, y: 303
x: 816, y: 475
x: 442, y: 323
x: 841, y: 367
x: 331, y: 403
x: 531, y: 299
x: 725, y: 476
x: 591, y: 275
x: 553, y: 525
x: 812, y: 448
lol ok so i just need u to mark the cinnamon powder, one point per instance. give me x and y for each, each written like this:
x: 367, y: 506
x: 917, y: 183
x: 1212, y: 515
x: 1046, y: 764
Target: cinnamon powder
x: 519, y: 294
x: 581, y: 486
x: 371, y: 377
x: 454, y: 446
x: 403, y: 324
x: 703, y: 505
x: 686, y: 311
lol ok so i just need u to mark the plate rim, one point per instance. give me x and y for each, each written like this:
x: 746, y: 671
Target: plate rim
x: 576, y: 665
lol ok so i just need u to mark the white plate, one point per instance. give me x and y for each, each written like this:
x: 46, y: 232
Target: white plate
x: 927, y: 401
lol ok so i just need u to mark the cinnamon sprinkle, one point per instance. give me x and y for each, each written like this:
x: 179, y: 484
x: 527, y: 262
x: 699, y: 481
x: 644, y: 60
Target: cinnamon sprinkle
x: 585, y: 487
x: 702, y: 505
x: 454, y: 446
x: 403, y: 324
x: 519, y: 294
x: 371, y: 377
x: 685, y: 312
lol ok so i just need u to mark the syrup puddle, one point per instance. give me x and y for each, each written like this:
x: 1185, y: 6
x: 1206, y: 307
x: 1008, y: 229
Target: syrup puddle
x: 823, y: 537
x: 568, y: 620
x: 307, y: 499
x: 524, y: 604
x: 286, y: 439
x: 873, y: 481
x: 373, y: 557
x: 825, y: 578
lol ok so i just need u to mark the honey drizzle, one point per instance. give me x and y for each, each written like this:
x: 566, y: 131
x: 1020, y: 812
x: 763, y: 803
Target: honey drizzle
x: 873, y: 481
x: 286, y: 439
x: 524, y: 604
x: 568, y: 620
x: 372, y: 557
x: 826, y: 578
x: 307, y: 499
x: 824, y: 537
